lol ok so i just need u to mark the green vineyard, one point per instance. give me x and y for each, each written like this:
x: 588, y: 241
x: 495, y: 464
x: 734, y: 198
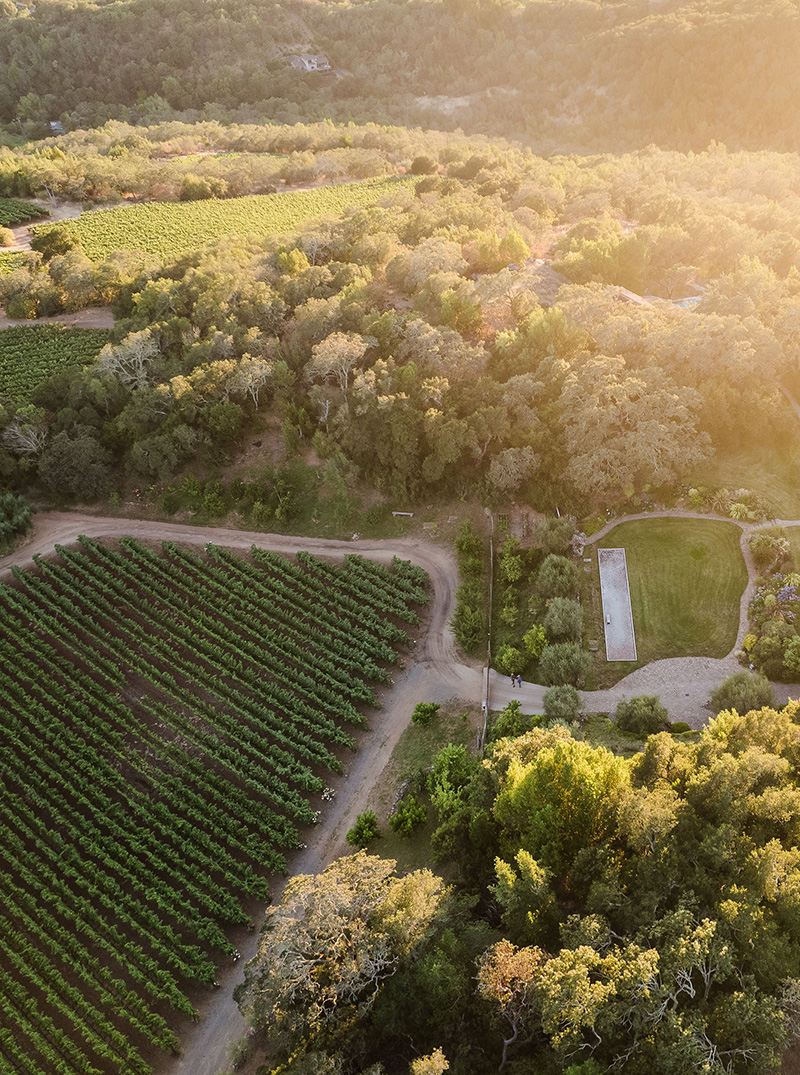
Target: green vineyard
x: 170, y: 230
x: 10, y: 260
x: 30, y: 355
x: 168, y: 718
x: 16, y: 212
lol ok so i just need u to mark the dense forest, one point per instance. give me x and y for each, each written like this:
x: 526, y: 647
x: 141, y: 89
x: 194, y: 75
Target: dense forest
x: 605, y: 915
x: 419, y: 343
x: 559, y: 74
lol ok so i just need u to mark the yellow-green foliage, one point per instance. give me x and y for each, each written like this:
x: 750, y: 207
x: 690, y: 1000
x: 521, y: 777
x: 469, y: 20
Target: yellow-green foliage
x: 169, y: 230
x: 581, y: 786
x: 9, y: 260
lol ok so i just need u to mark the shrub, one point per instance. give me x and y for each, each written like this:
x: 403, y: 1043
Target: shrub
x: 563, y: 619
x: 237, y: 1052
x: 510, y: 560
x: 470, y: 549
x: 76, y: 465
x: 642, y: 716
x: 424, y: 712
x: 562, y: 703
x: 364, y: 830
x: 468, y: 622
x: 509, y: 660
x: 6, y: 237
x: 679, y: 726
x: 557, y: 577
x: 55, y: 241
x: 511, y: 722
x: 770, y: 548
x: 509, y: 614
x: 15, y: 516
x: 743, y: 691
x: 554, y: 535
x: 535, y: 641
x: 409, y: 815
x: 195, y: 188
x: 739, y: 511
x: 424, y: 165
x: 565, y: 662
x: 213, y: 503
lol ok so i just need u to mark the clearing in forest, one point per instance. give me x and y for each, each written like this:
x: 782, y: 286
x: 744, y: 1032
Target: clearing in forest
x: 686, y: 578
x: 169, y: 230
x: 767, y: 464
x: 169, y: 720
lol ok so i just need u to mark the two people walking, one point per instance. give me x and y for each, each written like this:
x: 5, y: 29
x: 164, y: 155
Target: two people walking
x: 516, y: 681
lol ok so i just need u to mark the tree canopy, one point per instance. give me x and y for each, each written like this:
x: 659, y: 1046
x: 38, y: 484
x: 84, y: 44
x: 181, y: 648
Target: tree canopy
x: 331, y: 943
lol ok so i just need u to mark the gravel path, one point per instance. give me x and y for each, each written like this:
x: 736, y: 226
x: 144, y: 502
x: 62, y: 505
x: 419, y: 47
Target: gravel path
x: 684, y: 684
x: 89, y: 317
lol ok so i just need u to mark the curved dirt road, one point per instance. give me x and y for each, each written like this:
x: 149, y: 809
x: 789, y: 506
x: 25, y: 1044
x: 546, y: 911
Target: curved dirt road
x: 88, y: 317
x: 436, y: 674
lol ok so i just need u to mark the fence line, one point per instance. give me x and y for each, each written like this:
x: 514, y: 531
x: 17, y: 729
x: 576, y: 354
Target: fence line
x: 485, y: 702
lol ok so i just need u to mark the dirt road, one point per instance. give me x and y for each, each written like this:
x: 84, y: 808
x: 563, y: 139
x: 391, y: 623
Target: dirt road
x: 437, y: 673
x: 90, y: 317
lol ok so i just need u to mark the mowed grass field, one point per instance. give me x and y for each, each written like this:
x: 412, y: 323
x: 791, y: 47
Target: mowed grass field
x: 762, y: 465
x: 793, y: 534
x: 686, y: 577
x: 169, y: 230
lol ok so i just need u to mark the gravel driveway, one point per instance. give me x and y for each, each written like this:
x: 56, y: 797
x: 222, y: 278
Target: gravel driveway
x: 437, y: 673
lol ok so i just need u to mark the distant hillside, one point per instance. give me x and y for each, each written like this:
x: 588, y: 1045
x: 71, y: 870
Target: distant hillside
x: 559, y: 74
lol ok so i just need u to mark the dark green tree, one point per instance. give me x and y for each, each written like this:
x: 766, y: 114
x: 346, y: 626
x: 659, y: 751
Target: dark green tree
x: 365, y: 829
x: 562, y: 703
x: 409, y: 815
x: 743, y: 691
x: 563, y: 619
x: 55, y: 241
x: 15, y: 516
x: 76, y: 466
x: 643, y: 715
x: 557, y: 577
x: 564, y: 662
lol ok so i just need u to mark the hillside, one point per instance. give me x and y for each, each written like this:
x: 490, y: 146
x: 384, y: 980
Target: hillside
x: 428, y: 337
x: 559, y: 74
x: 493, y: 275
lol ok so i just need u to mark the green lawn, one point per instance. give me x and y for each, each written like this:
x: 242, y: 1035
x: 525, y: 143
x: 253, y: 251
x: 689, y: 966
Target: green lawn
x: 415, y: 751
x: 793, y: 534
x: 598, y: 730
x: 762, y: 465
x: 686, y: 577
